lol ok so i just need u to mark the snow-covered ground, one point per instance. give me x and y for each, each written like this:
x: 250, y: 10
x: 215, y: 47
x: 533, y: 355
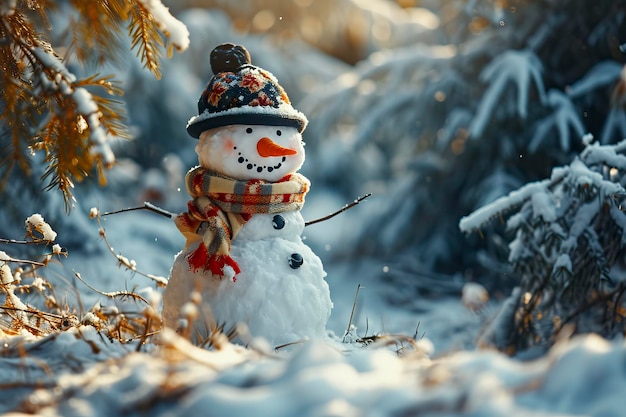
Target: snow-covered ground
x: 81, y: 373
x: 63, y: 375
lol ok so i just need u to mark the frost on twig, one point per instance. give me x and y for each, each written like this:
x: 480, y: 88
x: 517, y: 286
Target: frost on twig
x: 113, y: 294
x: 20, y: 281
x: 569, y: 231
x: 30, y: 308
x: 124, y: 326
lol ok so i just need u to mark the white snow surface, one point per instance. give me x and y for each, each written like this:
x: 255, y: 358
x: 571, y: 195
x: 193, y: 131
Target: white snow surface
x: 581, y: 377
x: 86, y: 375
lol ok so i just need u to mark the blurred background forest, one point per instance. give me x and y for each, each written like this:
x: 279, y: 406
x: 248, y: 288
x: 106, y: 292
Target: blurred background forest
x: 435, y: 107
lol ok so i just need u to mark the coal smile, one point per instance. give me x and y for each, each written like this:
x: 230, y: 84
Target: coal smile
x: 258, y: 168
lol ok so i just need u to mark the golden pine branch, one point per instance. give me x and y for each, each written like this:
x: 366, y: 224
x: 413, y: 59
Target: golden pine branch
x: 45, y: 108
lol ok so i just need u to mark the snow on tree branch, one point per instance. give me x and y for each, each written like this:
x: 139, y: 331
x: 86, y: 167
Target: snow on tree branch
x: 505, y: 204
x: 517, y: 67
x: 569, y: 232
x: 600, y: 75
x: 47, y: 108
x: 168, y: 24
x: 582, y: 172
x: 65, y: 82
x: 564, y: 118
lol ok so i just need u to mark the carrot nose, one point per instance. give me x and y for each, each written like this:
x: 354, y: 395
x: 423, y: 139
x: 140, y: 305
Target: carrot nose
x: 267, y: 147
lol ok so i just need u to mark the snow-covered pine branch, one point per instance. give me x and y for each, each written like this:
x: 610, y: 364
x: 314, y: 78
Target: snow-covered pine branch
x: 407, y: 120
x: 564, y: 118
x: 65, y: 82
x: 504, y: 205
x: 520, y: 68
x: 173, y: 28
x: 46, y: 107
x: 569, y: 231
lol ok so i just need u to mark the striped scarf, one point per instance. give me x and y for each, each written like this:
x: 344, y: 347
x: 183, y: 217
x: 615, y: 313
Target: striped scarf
x: 222, y: 205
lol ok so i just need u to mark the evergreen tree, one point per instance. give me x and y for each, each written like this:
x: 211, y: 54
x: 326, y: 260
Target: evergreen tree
x: 568, y: 250
x: 506, y: 92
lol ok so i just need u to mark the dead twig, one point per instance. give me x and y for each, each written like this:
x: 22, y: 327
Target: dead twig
x: 21, y: 261
x: 296, y: 342
x: 377, y: 341
x: 356, y: 296
x: 128, y: 263
x: 23, y: 242
x: 114, y: 294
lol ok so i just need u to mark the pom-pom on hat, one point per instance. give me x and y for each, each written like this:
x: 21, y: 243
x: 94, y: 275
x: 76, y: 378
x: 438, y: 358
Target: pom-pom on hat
x: 241, y: 93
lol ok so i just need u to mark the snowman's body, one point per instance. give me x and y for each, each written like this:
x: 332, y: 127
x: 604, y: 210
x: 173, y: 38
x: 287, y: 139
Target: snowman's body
x: 273, y: 299
x: 280, y: 293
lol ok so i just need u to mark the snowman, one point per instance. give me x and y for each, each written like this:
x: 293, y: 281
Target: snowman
x: 244, y: 253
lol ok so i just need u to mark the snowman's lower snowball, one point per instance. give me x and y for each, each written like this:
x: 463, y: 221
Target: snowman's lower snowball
x: 274, y: 300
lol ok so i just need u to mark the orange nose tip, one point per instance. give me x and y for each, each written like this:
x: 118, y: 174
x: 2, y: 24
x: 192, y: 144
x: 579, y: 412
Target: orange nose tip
x: 267, y: 147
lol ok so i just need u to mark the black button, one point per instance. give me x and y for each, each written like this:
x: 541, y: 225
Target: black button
x: 295, y: 261
x: 278, y: 222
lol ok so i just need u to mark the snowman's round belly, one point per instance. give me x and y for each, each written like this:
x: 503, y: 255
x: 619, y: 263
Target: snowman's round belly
x: 280, y: 293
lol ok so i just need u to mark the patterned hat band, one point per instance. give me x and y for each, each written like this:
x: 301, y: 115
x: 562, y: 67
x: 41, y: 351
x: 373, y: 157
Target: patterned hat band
x: 241, y: 93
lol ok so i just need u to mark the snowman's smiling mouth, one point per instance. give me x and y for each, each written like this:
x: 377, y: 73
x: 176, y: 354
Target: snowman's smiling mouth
x: 256, y: 167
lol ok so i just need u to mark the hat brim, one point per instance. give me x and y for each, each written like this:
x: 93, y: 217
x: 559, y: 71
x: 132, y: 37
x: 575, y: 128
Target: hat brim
x: 247, y: 115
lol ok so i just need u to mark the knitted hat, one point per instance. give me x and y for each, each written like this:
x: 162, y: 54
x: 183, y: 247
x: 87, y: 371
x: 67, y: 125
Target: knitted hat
x: 241, y: 93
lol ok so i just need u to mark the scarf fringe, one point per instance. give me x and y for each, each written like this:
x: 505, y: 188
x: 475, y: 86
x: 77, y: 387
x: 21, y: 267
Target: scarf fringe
x: 200, y: 258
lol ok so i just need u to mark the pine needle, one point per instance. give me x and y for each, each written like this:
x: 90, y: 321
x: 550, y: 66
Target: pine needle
x: 145, y: 38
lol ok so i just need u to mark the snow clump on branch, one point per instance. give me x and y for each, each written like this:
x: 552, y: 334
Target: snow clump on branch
x: 173, y: 28
x: 36, y: 223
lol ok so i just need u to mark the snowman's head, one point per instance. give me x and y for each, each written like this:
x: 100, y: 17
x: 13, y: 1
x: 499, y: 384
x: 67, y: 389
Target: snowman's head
x: 251, y: 151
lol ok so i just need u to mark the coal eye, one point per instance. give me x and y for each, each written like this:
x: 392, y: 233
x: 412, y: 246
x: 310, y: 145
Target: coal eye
x: 249, y: 130
x: 278, y: 133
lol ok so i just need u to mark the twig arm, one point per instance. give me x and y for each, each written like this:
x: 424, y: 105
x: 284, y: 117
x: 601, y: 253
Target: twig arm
x: 146, y: 206
x: 341, y: 210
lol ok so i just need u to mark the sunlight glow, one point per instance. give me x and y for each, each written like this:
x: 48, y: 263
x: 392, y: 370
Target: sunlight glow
x: 263, y: 20
x: 424, y: 17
